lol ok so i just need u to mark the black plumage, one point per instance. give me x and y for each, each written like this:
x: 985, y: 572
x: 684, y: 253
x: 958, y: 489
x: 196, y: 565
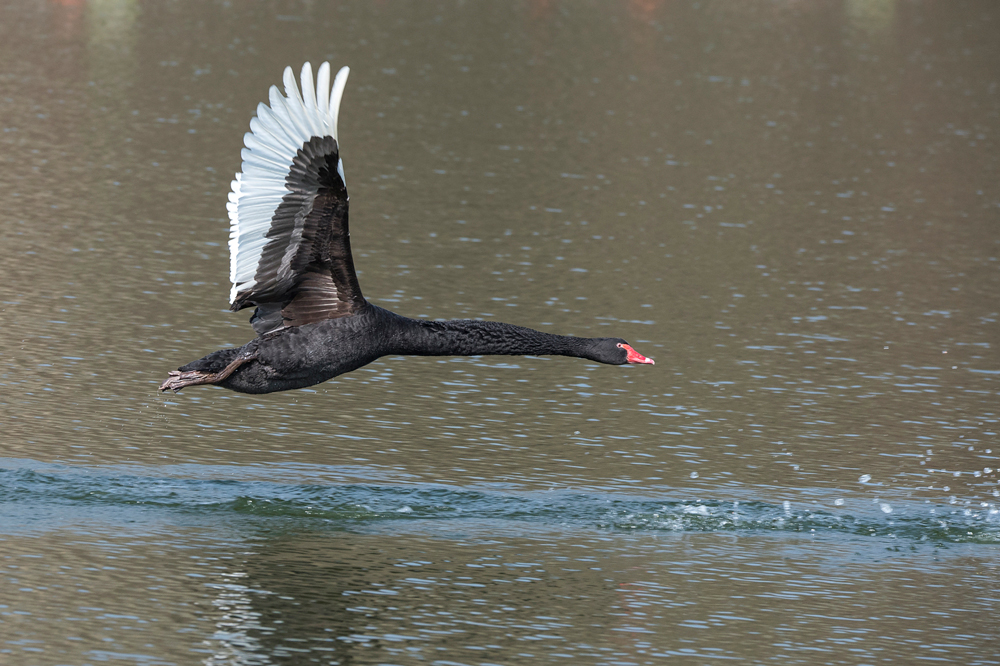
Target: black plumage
x: 290, y: 233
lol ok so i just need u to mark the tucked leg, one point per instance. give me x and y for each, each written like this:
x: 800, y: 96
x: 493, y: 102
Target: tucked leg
x: 178, y: 380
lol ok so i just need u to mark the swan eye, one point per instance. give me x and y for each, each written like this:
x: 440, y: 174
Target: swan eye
x: 620, y: 346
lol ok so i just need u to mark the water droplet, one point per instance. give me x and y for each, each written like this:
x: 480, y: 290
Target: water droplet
x: 886, y: 508
x: 838, y: 502
x: 864, y: 478
x: 694, y: 475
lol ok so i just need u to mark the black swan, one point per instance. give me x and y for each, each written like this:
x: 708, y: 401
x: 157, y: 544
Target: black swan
x: 290, y: 257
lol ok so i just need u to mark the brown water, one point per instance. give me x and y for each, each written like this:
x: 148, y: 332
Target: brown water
x: 792, y: 206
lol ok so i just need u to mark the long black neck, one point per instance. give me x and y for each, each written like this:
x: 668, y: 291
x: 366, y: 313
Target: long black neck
x: 468, y: 337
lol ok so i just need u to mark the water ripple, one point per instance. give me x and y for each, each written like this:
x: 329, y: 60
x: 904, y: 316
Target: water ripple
x: 33, y: 495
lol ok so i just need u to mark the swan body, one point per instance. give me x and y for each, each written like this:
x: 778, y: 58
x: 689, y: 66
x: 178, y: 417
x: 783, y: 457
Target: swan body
x: 290, y: 258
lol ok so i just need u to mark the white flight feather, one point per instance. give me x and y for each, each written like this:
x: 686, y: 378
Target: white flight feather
x: 323, y: 89
x: 276, y: 134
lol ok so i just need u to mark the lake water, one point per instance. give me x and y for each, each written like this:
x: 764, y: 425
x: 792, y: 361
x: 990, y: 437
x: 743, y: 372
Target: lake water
x: 794, y: 207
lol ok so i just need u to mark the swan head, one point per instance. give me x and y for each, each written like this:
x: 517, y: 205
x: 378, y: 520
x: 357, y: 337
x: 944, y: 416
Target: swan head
x: 615, y: 351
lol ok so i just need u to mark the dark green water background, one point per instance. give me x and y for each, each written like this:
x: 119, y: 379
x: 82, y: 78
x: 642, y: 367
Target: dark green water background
x: 794, y: 207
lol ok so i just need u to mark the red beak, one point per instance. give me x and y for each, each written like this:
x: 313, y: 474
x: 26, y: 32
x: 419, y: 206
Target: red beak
x: 635, y: 357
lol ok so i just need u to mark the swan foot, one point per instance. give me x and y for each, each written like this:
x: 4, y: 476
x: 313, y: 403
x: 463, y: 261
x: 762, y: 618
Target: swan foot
x: 176, y: 380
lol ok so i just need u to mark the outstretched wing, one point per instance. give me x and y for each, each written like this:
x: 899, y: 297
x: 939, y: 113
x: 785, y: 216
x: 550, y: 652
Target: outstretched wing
x: 289, y: 243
